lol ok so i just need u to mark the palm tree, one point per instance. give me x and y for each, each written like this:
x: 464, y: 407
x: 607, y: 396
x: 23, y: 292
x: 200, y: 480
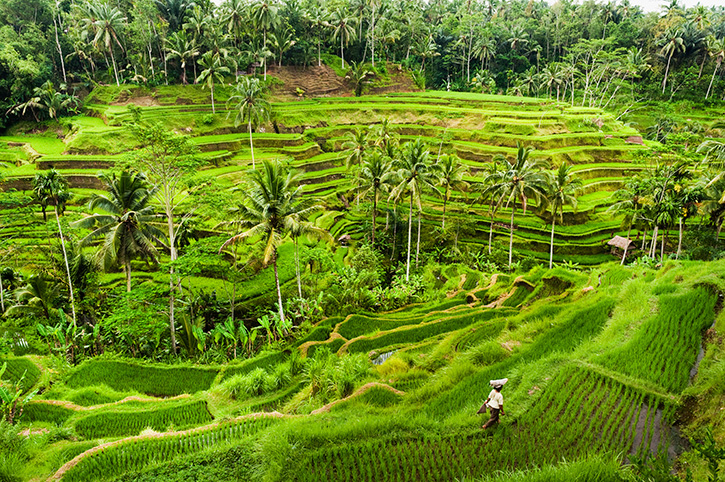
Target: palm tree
x: 251, y: 106
x: 553, y: 76
x: 671, y: 42
x: 518, y: 37
x: 562, y: 190
x: 178, y: 45
x: 174, y: 11
x: 354, y: 147
x: 273, y: 205
x: 629, y: 200
x: 359, y: 76
x: 485, y: 48
x: 414, y: 171
x: 264, y: 17
x: 129, y: 229
x: 38, y: 297
x: 315, y: 17
x: 108, y: 24
x: 282, y: 41
x: 488, y: 195
x: 375, y: 175
x: 717, y: 50
x: 53, y: 188
x: 214, y: 70
x: 343, y: 29
x: 48, y: 99
x: 450, y: 171
x: 521, y: 179
x: 235, y: 19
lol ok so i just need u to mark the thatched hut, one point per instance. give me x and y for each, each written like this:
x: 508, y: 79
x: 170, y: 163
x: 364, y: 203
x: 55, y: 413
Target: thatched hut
x: 620, y: 245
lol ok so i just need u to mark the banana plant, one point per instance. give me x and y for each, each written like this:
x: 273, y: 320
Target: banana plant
x: 12, y: 401
x: 267, y: 323
x: 200, y: 337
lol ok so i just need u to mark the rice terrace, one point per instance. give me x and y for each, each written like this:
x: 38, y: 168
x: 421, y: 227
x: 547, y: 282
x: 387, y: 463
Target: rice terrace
x: 361, y: 240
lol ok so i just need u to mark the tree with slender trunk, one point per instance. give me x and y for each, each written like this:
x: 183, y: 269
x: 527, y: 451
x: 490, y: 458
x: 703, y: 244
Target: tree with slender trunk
x: 282, y: 41
x: 717, y: 50
x: 414, y: 172
x: 265, y: 18
x: 167, y: 160
x: 250, y: 106
x: 108, y: 24
x: 130, y: 228
x: 450, y: 172
x: 53, y: 189
x: 343, y: 30
x: 520, y: 179
x: 213, y: 72
x: 628, y: 203
x: 273, y: 203
x: 179, y: 46
x: 375, y: 176
x: 561, y: 191
x: 671, y: 42
x: 487, y: 194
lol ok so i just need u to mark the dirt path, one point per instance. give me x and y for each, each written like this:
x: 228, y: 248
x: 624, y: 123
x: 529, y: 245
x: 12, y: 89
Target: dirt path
x: 357, y: 393
x: 132, y: 398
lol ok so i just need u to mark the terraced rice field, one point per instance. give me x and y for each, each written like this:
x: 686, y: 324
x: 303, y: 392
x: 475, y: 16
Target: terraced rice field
x: 309, y: 134
x: 574, y: 391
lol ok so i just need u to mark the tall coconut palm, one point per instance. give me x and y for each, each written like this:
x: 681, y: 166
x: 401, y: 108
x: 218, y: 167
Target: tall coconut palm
x: 671, y: 42
x: 717, y: 50
x: 39, y: 297
x: 264, y: 17
x: 250, y: 106
x: 52, y: 188
x: 174, y: 11
x: 343, y: 30
x: 375, y: 176
x: 414, y: 172
x: 108, y: 25
x: 130, y: 228
x: 520, y: 179
x: 354, y: 147
x: 214, y: 70
x: 179, y: 46
x: 450, y: 172
x: 273, y: 204
x: 282, y: 41
x: 315, y: 18
x: 487, y: 194
x: 561, y: 191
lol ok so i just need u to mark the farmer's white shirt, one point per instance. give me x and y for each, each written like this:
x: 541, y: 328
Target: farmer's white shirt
x: 495, y: 399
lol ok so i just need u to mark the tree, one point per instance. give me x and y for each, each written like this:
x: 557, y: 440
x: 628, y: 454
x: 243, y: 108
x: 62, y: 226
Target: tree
x: 717, y: 50
x: 272, y: 204
x: 174, y: 11
x: 628, y: 203
x: 561, y: 190
x: 167, y: 160
x: 264, y: 17
x: 359, y: 76
x: 179, y: 46
x: 47, y: 99
x: 39, y: 297
x: 131, y: 226
x: 343, y: 29
x: 520, y: 179
x: 671, y: 42
x: 53, y: 188
x: 449, y: 171
x: 250, y: 106
x: 375, y: 175
x: 414, y: 171
x: 214, y: 71
x: 282, y: 41
x: 108, y: 24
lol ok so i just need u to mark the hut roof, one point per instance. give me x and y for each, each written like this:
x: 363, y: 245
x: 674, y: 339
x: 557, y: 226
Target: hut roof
x: 620, y: 242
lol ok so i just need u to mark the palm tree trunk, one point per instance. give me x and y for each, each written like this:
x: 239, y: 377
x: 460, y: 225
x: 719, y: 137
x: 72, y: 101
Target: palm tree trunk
x: 511, y: 236
x: 644, y: 239
x: 375, y: 213
x: 59, y: 47
x: 417, y: 244
x: 679, y: 242
x: 624, y: 255
x: 127, y: 269
x: 490, y: 234
x: 279, y: 291
x: 445, y: 200
x: 410, y: 236
x: 709, y: 87
x: 213, y: 110
x: 172, y: 279
x: 551, y: 251
x: 342, y: 52
x: 264, y: 58
x: 653, y: 247
x: 395, y: 230
x: 297, y: 267
x: 251, y: 144
x: 2, y: 296
x: 319, y: 52
x: 662, y: 251
x: 67, y: 267
x: 115, y: 70
x: 667, y: 71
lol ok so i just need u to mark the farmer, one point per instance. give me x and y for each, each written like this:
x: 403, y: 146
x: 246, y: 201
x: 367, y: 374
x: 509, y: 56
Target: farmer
x: 495, y: 403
